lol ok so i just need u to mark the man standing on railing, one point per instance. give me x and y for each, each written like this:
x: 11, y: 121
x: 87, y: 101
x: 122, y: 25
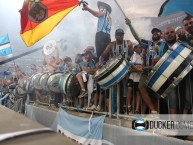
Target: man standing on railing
x: 102, y: 38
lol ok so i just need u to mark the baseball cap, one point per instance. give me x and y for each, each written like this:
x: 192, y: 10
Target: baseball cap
x: 108, y: 7
x: 177, y: 29
x: 67, y: 59
x: 87, y: 52
x: 119, y: 31
x: 155, y: 29
x: 80, y: 55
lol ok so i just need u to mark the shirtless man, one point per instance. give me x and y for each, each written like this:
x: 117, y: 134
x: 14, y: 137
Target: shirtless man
x: 53, y: 63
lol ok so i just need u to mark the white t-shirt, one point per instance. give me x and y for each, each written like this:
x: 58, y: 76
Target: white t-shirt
x: 136, y: 59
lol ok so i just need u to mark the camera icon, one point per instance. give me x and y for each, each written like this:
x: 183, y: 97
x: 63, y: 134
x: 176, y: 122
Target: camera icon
x: 140, y: 124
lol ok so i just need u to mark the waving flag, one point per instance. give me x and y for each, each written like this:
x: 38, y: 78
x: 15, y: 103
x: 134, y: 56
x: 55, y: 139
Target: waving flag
x: 5, y: 47
x: 5, y: 73
x: 154, y: 8
x: 175, y: 6
x: 84, y: 130
x: 39, y: 18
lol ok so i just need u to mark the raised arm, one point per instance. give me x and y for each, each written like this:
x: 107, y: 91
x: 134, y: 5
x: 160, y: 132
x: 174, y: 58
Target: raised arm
x: 130, y: 47
x: 128, y: 22
x: 93, y: 12
x: 45, y: 58
x: 104, y: 54
x: 57, y: 55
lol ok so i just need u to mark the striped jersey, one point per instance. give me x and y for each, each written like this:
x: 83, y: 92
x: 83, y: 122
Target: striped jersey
x: 104, y: 22
x: 120, y: 49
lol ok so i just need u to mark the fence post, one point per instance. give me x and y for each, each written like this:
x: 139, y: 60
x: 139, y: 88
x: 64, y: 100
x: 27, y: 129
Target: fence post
x: 110, y: 102
x: 118, y: 100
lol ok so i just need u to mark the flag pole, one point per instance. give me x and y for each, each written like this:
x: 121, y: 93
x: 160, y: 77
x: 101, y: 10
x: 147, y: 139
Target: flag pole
x: 20, y: 55
x: 131, y: 27
x: 12, y: 52
x: 120, y: 8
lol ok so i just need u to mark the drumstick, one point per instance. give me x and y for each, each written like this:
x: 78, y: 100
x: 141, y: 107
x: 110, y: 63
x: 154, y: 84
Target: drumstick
x: 147, y: 67
x: 143, y: 68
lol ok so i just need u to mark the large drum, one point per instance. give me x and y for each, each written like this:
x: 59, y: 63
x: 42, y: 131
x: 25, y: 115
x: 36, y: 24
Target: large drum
x: 35, y: 80
x: 29, y: 87
x: 113, y: 72
x: 22, y: 82
x: 43, y: 80
x: 12, y: 86
x: 69, y: 85
x: 170, y: 69
x: 19, y: 92
x: 24, y: 86
x: 53, y: 82
x: 20, y: 89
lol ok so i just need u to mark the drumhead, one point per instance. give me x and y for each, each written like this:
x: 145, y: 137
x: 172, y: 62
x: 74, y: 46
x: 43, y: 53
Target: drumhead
x: 70, y: 85
x: 170, y: 69
x: 64, y: 81
x: 28, y: 85
x: 108, y: 66
x: 35, y: 80
x: 99, y: 72
x: 49, y: 47
x: 22, y: 83
x: 18, y: 92
x: 53, y: 82
x: 43, y: 80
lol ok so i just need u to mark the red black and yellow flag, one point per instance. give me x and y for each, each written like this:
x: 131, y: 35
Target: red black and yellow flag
x: 39, y: 18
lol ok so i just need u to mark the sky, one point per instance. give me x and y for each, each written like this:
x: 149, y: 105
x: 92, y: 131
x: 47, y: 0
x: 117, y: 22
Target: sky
x: 77, y: 30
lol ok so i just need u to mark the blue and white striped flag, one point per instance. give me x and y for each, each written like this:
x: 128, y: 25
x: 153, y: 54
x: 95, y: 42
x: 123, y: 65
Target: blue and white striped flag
x: 84, y: 130
x: 5, y: 47
x: 154, y: 8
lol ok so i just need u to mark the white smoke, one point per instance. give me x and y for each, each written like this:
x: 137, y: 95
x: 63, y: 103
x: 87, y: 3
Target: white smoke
x: 77, y: 29
x: 143, y: 27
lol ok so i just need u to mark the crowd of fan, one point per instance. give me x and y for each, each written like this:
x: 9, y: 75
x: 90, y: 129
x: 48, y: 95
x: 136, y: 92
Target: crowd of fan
x: 143, y: 53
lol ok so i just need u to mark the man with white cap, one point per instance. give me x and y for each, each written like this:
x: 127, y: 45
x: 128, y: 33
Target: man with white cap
x: 102, y: 38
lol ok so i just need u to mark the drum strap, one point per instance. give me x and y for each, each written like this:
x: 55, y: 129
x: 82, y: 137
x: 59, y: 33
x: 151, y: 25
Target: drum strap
x: 124, y: 48
x: 120, y: 49
x: 114, y: 49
